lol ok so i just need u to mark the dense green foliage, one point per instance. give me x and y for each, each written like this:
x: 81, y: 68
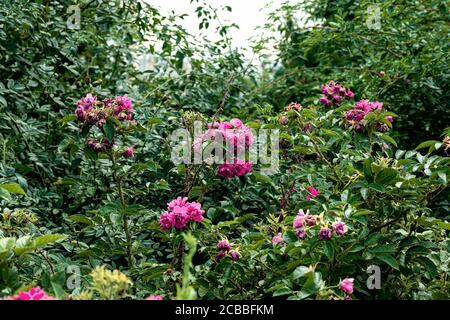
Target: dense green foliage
x: 403, y: 63
x: 66, y: 208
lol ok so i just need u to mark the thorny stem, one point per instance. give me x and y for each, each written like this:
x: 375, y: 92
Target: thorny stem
x: 118, y: 181
x: 317, y: 148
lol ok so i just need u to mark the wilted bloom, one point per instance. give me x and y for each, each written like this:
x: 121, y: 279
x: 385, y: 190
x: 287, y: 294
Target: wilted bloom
x: 99, y: 146
x: 278, y: 238
x: 313, y: 192
x: 235, y: 255
x: 334, y: 93
x: 340, y: 228
x: 346, y: 285
x: 32, y: 294
x: 123, y: 109
x: 154, y: 298
x: 223, y: 245
x: 85, y: 105
x: 325, y: 233
x: 219, y: 256
x: 301, y: 234
x: 283, y: 120
x: 446, y: 143
x: 310, y: 220
x: 293, y: 106
x: 129, y: 153
x: 325, y: 101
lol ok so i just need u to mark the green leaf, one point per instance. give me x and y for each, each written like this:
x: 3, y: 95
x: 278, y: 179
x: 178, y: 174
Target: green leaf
x: 431, y: 144
x: 13, y: 188
x: 386, y: 248
x: 262, y: 177
x: 368, y: 170
x: 385, y: 176
x: 282, y: 292
x: 428, y: 265
x: 300, y: 272
x: 3, y: 101
x: 443, y: 176
x: 389, y: 139
x: 388, y: 259
x: 377, y: 187
x: 364, y: 193
x: 110, y: 130
x: 4, y: 194
x: 46, y: 239
x: 66, y: 119
x: 372, y: 239
x: 328, y: 249
x: 7, y: 244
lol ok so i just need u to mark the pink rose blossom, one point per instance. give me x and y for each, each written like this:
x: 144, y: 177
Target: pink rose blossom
x: 154, y: 298
x: 346, y: 285
x: 223, y: 245
x: 235, y: 255
x: 278, y: 238
x: 325, y: 233
x: 340, y: 228
x: 313, y: 193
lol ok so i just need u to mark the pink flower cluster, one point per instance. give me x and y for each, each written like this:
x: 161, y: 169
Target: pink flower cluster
x: 236, y: 139
x: 35, y: 293
x: 334, y: 93
x: 305, y: 221
x: 180, y: 212
x: 224, y: 248
x: 90, y: 110
x: 355, y: 117
x: 237, y: 169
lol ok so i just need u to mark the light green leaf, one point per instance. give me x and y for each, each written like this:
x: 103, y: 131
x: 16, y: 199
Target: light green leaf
x: 13, y: 188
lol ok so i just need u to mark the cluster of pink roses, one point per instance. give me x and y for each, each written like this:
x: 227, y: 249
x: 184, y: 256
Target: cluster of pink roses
x: 224, y: 248
x: 236, y: 138
x: 304, y: 221
x: 334, y: 93
x: 355, y: 117
x: 237, y: 169
x: 93, y: 112
x: 35, y: 293
x: 180, y: 212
